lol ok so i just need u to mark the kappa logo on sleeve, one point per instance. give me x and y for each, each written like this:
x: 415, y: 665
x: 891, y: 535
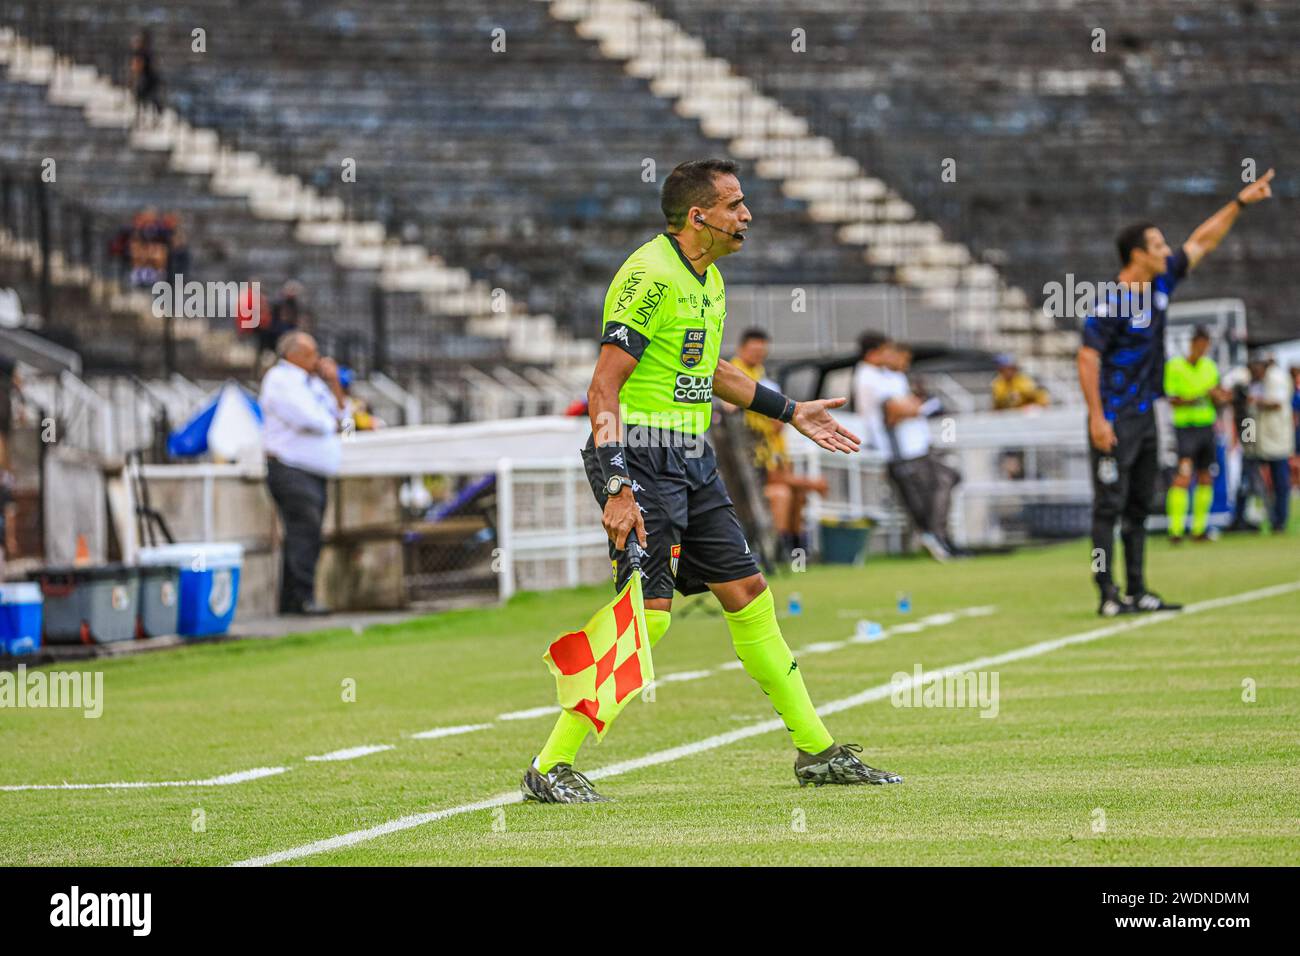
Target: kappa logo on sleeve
x: 619, y: 334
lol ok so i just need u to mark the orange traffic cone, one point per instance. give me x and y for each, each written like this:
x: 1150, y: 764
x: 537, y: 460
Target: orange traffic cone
x: 83, y: 552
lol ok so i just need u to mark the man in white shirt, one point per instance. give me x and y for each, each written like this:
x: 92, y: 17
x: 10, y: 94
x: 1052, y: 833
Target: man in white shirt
x: 897, y: 427
x: 1269, y: 398
x: 302, y: 406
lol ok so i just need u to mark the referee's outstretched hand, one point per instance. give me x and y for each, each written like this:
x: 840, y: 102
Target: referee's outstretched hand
x: 812, y: 419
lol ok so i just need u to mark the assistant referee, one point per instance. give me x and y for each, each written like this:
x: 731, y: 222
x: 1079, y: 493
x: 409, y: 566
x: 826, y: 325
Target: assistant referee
x: 655, y: 476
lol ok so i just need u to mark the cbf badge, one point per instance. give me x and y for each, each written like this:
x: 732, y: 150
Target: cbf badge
x: 692, y: 347
x: 1107, y: 471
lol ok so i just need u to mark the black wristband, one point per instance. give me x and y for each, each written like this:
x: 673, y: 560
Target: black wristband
x: 612, y: 460
x: 773, y: 404
x: 1240, y: 204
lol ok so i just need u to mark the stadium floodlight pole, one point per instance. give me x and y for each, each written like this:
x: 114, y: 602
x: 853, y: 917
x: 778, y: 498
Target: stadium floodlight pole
x: 1121, y: 365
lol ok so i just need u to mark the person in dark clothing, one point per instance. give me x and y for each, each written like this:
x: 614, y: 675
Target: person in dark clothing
x: 1121, y: 365
x: 145, y: 79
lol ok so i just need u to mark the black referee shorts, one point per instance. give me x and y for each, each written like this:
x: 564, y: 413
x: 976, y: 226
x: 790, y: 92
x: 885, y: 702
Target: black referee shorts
x: 1197, y: 443
x: 693, y: 538
x: 1124, y: 481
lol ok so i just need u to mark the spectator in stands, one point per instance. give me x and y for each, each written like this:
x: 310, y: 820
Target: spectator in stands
x: 1270, y: 395
x: 1013, y: 388
x: 145, y: 247
x: 302, y: 407
x: 288, y: 313
x: 178, y: 248
x: 897, y: 428
x: 786, y: 491
x: 145, y: 79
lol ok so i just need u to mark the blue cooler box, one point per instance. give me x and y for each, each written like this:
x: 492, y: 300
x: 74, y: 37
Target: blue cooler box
x: 21, y: 606
x: 209, y: 590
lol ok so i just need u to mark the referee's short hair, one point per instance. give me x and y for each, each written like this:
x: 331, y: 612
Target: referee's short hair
x: 1132, y: 236
x: 692, y: 184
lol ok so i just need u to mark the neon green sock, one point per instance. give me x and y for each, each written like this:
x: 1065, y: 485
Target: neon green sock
x: 1202, y: 498
x: 758, y: 642
x: 1176, y: 509
x: 569, y: 731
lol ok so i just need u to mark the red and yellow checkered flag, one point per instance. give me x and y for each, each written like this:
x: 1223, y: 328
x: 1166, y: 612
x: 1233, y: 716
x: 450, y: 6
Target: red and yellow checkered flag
x: 601, y: 667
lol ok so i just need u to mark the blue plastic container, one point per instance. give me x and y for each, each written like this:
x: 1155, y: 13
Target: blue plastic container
x: 209, y: 585
x: 21, y: 607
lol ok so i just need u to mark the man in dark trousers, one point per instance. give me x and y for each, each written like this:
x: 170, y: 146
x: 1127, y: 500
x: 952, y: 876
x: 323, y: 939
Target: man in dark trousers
x: 302, y: 406
x: 1121, y: 371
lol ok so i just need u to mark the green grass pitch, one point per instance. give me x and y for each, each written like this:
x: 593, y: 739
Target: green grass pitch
x: 1135, y: 748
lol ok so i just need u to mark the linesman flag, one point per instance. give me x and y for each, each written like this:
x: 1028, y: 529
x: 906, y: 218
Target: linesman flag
x: 601, y: 667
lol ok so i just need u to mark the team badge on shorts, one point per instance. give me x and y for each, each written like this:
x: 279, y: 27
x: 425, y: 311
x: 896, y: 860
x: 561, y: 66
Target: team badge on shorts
x: 1107, y: 471
x: 674, y: 553
x: 693, y: 347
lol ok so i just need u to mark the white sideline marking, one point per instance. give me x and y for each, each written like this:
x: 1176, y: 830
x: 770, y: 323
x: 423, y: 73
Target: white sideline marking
x: 530, y: 713
x: 681, y: 675
x: 721, y: 740
x: 351, y: 753
x: 224, y: 780
x: 449, y: 731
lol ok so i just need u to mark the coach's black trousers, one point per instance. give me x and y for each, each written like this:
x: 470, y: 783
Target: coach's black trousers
x: 300, y: 498
x: 1123, y: 485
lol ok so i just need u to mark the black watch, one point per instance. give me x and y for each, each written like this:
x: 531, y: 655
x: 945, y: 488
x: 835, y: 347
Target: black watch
x: 616, y: 484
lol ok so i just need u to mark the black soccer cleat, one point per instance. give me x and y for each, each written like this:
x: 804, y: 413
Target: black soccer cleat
x: 1149, y: 601
x: 561, y: 784
x: 838, y: 763
x: 1114, y: 604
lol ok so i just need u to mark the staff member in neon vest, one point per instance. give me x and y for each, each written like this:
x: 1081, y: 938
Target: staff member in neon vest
x: 1192, y: 387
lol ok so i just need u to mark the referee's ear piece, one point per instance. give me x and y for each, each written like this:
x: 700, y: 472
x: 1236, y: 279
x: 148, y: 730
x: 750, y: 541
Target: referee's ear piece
x: 699, y: 219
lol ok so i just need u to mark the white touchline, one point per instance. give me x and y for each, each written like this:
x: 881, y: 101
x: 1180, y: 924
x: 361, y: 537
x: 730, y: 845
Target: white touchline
x: 530, y: 713
x: 450, y: 731
x: 224, y: 780
x: 680, y: 676
x: 878, y: 692
x: 351, y: 753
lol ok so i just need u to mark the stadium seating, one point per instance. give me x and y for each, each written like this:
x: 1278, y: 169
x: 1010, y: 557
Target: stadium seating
x: 1056, y: 146
x: 414, y: 94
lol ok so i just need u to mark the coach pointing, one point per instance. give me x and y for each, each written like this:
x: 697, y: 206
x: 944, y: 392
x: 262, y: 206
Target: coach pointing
x: 302, y: 406
x: 1121, y: 372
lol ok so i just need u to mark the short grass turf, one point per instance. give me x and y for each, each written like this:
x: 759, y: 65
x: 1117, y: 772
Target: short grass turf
x: 1137, y: 748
